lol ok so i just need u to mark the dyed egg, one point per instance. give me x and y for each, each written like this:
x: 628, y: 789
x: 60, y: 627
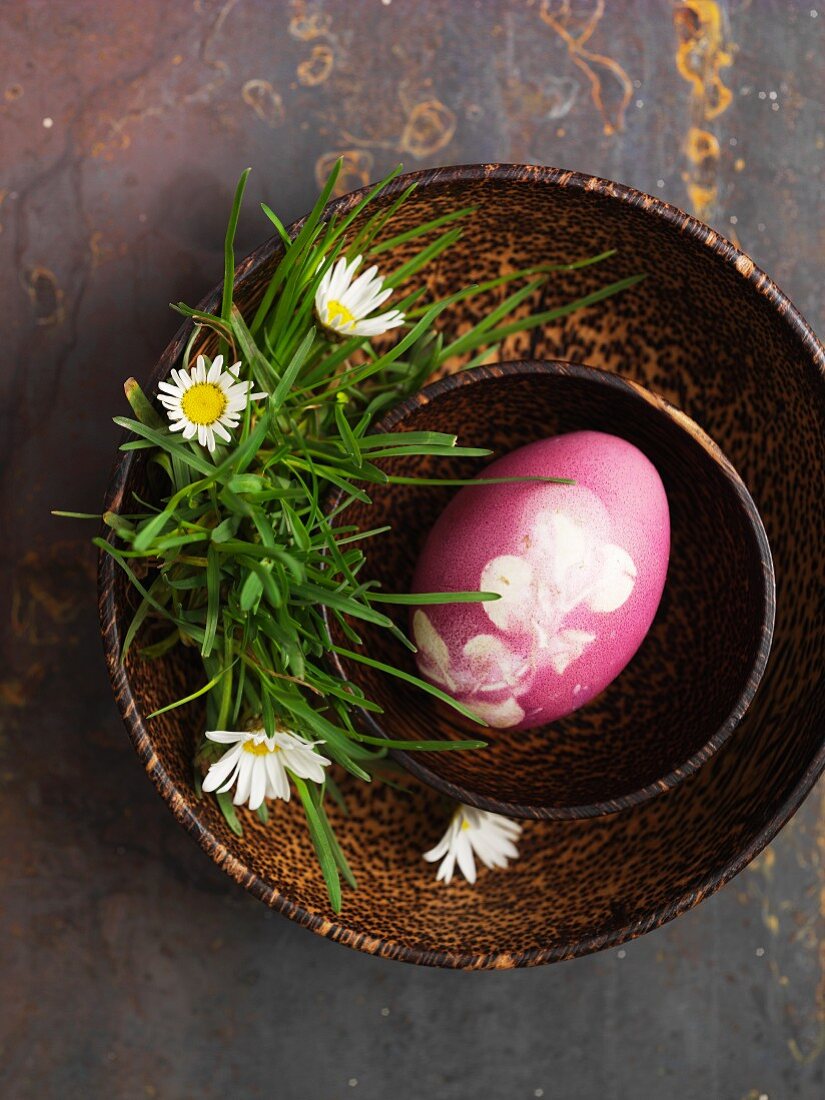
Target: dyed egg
x: 579, y: 569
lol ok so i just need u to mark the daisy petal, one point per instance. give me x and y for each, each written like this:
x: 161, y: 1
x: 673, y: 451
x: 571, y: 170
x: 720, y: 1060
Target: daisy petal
x: 445, y: 871
x: 343, y: 304
x: 220, y: 770
x: 464, y: 856
x: 227, y: 737
x: 244, y: 780
x: 474, y: 834
x: 257, y: 784
x: 278, y: 782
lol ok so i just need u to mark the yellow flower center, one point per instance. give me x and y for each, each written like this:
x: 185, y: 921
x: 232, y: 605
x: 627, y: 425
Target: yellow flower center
x: 337, y: 313
x: 465, y: 824
x: 203, y: 403
x: 259, y: 749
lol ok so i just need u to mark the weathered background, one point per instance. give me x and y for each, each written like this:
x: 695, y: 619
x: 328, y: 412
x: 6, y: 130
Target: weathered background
x: 131, y: 966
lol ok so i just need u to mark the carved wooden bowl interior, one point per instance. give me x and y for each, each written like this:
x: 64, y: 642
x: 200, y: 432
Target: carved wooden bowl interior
x: 712, y: 334
x: 695, y: 673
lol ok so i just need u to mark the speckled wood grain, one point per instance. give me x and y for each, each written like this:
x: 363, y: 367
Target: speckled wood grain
x: 697, y: 670
x: 712, y: 334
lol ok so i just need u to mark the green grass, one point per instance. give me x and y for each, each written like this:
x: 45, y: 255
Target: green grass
x: 235, y: 554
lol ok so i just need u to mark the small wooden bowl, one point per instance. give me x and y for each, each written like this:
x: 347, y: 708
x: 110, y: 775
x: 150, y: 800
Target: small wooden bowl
x: 710, y: 332
x: 696, y: 672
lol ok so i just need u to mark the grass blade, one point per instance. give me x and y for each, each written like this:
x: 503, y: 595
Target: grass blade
x: 400, y: 674
x: 216, y: 679
x: 422, y: 598
x: 228, y: 249
x: 320, y: 839
x: 213, y: 590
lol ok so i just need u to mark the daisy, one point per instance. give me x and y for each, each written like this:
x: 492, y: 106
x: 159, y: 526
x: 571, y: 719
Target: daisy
x: 258, y: 765
x: 474, y: 833
x: 206, y: 401
x: 342, y: 305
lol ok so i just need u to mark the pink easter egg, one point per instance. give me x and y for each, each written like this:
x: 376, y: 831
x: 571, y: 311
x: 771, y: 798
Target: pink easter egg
x: 579, y: 569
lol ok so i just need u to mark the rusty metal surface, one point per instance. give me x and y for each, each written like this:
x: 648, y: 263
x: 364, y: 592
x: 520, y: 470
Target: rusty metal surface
x: 131, y: 966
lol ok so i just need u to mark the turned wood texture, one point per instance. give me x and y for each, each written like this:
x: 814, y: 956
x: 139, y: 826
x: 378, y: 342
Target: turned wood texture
x: 697, y: 670
x: 712, y: 334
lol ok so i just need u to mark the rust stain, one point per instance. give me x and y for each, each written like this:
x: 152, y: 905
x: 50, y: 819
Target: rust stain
x: 781, y: 979
x: 264, y: 101
x: 764, y: 863
x: 116, y: 139
x: 306, y: 26
x: 426, y: 126
x: 563, y: 21
x: 811, y: 933
x: 805, y: 933
x: 700, y: 144
x: 49, y: 592
x: 430, y: 126
x: 356, y: 170
x: 167, y: 89
x: 805, y: 1059
x: 15, y: 692
x: 770, y: 920
x: 45, y: 296
x: 317, y: 67
x: 701, y: 53
x: 309, y: 27
x: 103, y: 252
x: 537, y: 100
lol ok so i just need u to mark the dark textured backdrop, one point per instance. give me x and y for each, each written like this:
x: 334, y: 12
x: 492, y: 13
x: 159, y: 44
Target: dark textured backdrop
x: 131, y: 966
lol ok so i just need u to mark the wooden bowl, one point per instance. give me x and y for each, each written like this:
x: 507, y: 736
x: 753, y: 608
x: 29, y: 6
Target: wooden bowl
x: 695, y: 674
x: 712, y: 334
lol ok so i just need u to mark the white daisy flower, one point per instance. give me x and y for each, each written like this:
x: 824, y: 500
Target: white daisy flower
x: 342, y: 305
x: 472, y: 833
x: 258, y: 766
x: 206, y: 401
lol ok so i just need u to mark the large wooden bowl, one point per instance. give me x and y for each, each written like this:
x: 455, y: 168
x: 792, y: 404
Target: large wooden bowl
x: 712, y: 334
x: 697, y: 670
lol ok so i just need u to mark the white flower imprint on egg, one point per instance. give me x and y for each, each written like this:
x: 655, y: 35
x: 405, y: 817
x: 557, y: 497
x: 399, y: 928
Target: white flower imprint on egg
x: 564, y: 567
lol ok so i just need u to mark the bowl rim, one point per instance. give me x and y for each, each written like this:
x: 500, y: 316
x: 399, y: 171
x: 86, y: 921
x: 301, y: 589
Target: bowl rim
x: 752, y: 676
x: 337, y: 928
